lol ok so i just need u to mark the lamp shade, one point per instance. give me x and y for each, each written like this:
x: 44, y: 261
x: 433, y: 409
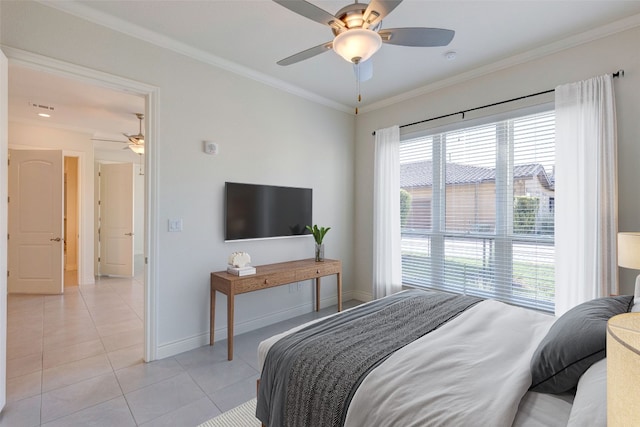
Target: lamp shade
x: 623, y: 370
x: 629, y: 250
x: 357, y: 45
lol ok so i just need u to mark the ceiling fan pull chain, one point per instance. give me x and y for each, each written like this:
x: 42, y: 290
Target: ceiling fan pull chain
x: 358, y: 84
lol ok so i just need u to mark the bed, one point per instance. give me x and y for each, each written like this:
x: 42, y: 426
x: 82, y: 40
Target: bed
x: 425, y: 358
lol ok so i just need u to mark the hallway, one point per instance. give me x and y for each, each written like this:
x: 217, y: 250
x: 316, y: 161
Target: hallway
x: 76, y: 360
x: 63, y: 351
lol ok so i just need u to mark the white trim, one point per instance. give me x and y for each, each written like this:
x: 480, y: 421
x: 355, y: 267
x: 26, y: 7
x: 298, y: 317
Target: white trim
x: 180, y: 346
x: 560, y: 45
x: 4, y: 150
x: 121, y: 26
x: 86, y: 238
x: 116, y: 24
x: 362, y: 296
x: 76, y: 72
x: 151, y: 94
x: 151, y: 225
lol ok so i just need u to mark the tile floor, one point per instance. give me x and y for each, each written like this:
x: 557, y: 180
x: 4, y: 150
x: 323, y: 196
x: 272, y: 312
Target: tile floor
x: 76, y: 360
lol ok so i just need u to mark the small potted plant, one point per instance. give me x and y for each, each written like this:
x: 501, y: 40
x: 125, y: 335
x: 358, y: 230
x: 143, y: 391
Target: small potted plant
x: 318, y: 235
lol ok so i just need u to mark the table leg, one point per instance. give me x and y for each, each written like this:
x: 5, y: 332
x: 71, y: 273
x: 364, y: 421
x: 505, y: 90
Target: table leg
x: 230, y: 326
x: 339, y: 291
x: 317, y: 294
x: 212, y: 313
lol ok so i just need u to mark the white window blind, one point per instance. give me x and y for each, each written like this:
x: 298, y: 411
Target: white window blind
x: 477, y: 208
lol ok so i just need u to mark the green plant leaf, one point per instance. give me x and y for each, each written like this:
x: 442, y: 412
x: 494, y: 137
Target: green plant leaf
x: 318, y: 232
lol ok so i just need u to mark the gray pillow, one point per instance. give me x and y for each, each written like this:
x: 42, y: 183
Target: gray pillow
x: 574, y: 342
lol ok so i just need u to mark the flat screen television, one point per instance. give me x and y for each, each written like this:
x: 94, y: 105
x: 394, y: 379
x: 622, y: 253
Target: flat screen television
x: 254, y: 211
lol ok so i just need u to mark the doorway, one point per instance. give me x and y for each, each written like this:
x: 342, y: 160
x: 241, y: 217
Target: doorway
x: 85, y: 263
x: 115, y: 227
x: 70, y: 221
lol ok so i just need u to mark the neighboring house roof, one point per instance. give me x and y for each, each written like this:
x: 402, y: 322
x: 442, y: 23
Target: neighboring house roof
x: 420, y: 174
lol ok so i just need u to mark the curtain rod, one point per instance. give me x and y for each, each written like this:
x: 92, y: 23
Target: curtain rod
x: 619, y: 73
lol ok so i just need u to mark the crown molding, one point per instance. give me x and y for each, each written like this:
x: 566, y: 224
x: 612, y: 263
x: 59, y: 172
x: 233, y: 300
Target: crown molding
x: 560, y: 45
x: 84, y: 12
x: 87, y: 13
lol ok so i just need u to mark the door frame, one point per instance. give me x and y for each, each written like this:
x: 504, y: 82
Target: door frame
x: 4, y: 212
x: 151, y: 222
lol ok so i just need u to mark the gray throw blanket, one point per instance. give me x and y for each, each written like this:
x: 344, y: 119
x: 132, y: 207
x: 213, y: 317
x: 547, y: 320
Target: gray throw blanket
x: 310, y: 376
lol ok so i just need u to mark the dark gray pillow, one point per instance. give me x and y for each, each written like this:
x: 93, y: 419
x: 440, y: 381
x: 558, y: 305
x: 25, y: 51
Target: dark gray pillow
x: 574, y: 342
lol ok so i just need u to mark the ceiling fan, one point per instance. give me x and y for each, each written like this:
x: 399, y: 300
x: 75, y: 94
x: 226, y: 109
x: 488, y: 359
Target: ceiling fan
x: 135, y: 142
x: 358, y: 34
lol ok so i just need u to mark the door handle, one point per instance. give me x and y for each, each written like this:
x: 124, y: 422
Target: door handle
x: 57, y: 239
x: 128, y: 234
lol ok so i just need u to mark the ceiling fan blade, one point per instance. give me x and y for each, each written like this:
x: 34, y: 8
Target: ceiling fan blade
x: 312, y: 12
x: 377, y: 10
x: 108, y: 140
x: 363, y: 70
x: 306, y: 54
x: 419, y: 37
x: 135, y: 139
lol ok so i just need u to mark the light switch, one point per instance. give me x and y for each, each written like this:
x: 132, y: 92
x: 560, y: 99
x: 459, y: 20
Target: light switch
x: 175, y: 224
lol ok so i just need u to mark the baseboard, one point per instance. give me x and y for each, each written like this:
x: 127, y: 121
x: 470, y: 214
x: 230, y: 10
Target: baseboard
x: 190, y: 343
x: 362, y: 296
x: 180, y: 346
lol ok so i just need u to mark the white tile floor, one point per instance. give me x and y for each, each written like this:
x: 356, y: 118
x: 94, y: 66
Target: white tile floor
x: 76, y: 360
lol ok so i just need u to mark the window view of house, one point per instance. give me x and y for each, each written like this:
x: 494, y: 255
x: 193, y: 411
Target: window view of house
x: 477, y: 210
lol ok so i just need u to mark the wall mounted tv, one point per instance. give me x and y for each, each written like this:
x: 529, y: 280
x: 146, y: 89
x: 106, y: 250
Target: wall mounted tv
x: 255, y: 211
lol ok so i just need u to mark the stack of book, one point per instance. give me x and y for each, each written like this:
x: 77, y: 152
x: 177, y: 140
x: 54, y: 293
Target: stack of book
x: 241, y: 271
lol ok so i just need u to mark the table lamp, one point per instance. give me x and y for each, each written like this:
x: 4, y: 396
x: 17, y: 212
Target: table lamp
x: 623, y: 370
x: 629, y: 255
x: 623, y: 347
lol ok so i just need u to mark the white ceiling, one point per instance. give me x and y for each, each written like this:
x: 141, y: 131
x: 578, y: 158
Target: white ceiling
x: 77, y: 106
x: 248, y: 37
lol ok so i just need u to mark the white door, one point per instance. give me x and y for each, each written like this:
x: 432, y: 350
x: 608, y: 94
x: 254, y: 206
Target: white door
x: 36, y: 243
x: 116, y: 219
x: 4, y: 123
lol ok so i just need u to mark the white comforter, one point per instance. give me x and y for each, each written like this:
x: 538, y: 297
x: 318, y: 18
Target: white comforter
x: 473, y: 371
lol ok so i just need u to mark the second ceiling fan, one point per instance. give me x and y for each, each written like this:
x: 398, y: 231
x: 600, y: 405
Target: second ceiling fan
x: 135, y: 142
x: 358, y: 33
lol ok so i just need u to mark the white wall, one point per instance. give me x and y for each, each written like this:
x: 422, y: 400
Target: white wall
x: 73, y: 144
x: 265, y: 136
x: 602, y: 56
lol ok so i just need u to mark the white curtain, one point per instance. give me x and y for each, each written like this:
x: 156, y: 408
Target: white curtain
x: 586, y: 192
x: 387, y: 270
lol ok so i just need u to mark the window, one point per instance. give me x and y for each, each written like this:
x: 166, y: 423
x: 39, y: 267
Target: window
x: 477, y: 210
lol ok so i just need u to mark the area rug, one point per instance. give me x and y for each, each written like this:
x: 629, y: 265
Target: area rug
x: 240, y: 416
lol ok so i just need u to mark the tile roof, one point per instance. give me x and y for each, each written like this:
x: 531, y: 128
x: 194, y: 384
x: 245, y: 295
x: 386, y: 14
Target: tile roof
x: 420, y: 174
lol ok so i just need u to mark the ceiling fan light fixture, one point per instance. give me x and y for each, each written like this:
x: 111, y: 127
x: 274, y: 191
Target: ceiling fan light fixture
x: 357, y: 45
x: 138, y: 149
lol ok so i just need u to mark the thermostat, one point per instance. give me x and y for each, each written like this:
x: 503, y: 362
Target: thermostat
x: 210, y: 147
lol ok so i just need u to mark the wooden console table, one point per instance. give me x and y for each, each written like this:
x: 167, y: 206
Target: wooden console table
x: 269, y: 276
